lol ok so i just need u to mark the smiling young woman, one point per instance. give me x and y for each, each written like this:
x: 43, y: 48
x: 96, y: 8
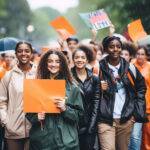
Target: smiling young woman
x: 89, y: 85
x: 59, y: 130
x: 11, y: 99
x: 120, y: 99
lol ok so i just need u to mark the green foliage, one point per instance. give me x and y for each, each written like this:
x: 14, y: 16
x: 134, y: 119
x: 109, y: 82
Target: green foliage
x: 40, y: 20
x: 2, y: 10
x: 139, y: 9
x: 16, y: 18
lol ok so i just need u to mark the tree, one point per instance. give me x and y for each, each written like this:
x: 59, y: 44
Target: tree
x: 139, y: 9
x: 16, y: 18
x: 40, y: 20
x: 121, y: 14
x: 2, y: 10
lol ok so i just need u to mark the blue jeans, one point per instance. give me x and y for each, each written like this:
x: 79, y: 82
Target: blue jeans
x: 136, y: 137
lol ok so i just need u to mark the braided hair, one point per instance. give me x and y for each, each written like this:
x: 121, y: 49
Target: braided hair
x: 106, y: 41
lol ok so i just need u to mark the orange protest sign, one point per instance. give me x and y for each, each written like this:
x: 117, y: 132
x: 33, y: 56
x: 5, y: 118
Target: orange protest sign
x: 60, y: 24
x: 45, y: 49
x: 39, y: 95
x: 136, y: 30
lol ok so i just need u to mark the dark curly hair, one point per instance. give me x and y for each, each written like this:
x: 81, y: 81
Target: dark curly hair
x: 44, y: 73
x: 130, y: 47
x: 106, y: 41
x: 87, y: 50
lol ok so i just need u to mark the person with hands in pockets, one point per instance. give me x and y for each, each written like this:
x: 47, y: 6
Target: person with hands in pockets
x: 11, y: 99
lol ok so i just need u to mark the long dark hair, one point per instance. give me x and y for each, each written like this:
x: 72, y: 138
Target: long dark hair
x: 44, y: 73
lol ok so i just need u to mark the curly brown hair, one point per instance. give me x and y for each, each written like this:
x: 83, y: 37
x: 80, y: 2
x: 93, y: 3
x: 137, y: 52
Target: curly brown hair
x: 44, y: 73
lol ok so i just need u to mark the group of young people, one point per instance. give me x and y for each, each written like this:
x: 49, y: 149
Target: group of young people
x: 107, y: 99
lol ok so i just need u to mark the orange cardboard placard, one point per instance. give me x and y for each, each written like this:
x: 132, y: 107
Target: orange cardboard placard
x: 39, y: 95
x: 61, y: 23
x: 45, y: 49
x: 136, y: 30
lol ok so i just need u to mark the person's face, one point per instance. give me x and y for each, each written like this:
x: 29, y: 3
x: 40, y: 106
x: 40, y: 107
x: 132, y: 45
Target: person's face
x: 53, y: 64
x: 9, y: 57
x: 141, y: 56
x: 125, y: 54
x: 114, y: 49
x: 72, y: 45
x: 98, y: 55
x: 24, y: 53
x: 80, y: 59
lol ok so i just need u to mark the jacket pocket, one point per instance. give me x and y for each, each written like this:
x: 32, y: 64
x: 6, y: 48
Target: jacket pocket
x: 15, y: 124
x: 39, y: 137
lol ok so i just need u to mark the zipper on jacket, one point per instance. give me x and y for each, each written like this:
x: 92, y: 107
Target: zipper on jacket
x: 25, y: 131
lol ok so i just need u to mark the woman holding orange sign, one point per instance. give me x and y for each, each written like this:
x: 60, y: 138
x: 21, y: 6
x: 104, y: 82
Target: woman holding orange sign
x: 59, y: 131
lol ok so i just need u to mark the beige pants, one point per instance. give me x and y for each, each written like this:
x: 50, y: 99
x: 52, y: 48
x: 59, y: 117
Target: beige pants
x: 115, y: 137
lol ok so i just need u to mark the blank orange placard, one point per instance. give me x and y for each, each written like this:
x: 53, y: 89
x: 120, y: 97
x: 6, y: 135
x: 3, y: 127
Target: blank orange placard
x: 39, y: 95
x: 62, y: 23
x: 45, y: 49
x: 136, y: 30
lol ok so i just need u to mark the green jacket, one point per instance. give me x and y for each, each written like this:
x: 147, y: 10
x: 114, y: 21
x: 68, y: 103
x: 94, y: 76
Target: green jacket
x: 60, y: 130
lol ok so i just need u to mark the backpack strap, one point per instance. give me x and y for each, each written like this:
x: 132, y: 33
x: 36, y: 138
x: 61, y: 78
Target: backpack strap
x: 130, y: 78
x: 133, y: 71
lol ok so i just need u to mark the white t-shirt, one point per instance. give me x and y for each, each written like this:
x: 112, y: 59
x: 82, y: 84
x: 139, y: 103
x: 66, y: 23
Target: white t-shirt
x: 120, y: 94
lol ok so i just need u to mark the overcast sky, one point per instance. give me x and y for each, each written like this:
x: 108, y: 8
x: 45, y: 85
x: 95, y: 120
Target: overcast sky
x: 61, y: 5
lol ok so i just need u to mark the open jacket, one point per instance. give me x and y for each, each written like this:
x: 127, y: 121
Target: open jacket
x: 145, y: 71
x: 135, y: 95
x: 11, y: 103
x: 90, y: 91
x: 59, y: 130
